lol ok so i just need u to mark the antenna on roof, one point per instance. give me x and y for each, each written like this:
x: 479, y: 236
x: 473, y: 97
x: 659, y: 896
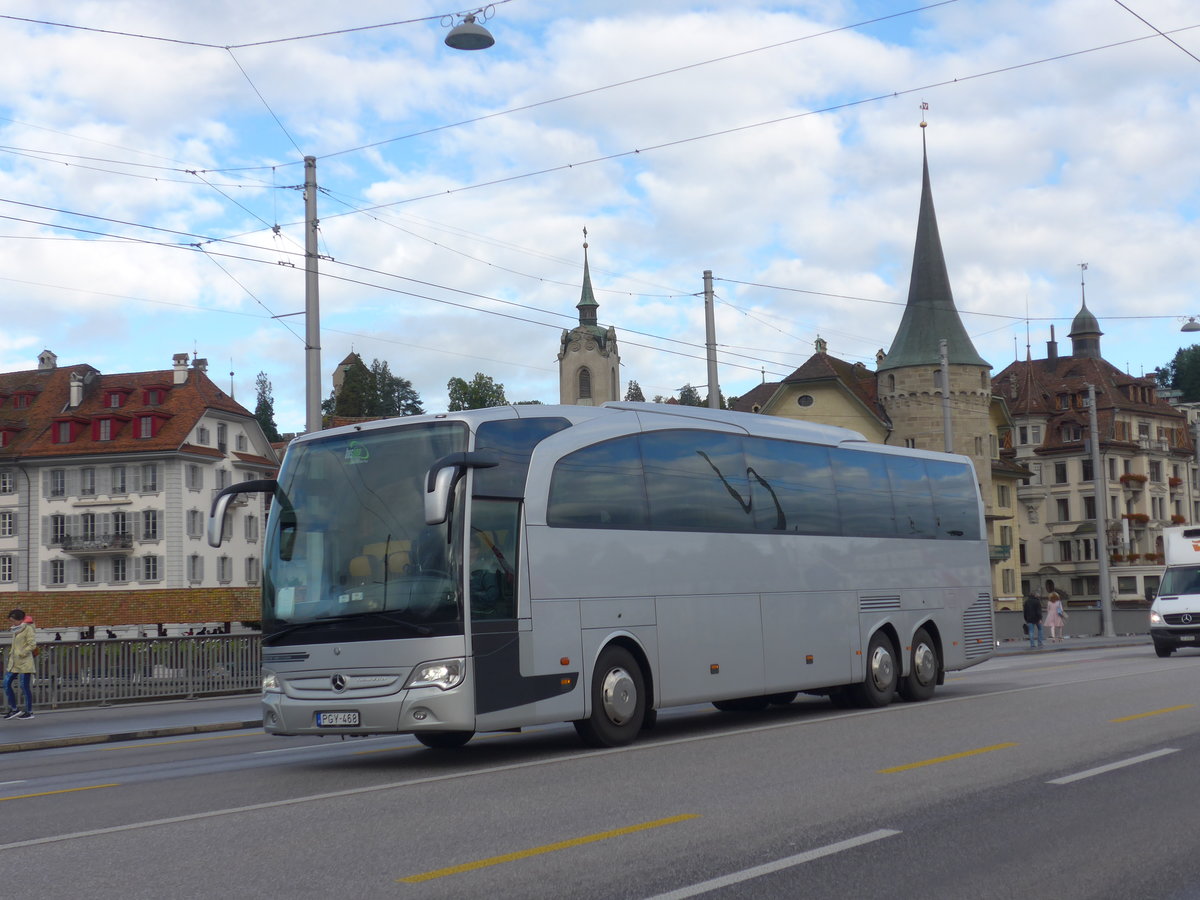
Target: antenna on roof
x: 231, y: 397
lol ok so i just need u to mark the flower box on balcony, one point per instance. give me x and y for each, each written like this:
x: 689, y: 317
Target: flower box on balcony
x: 1133, y: 557
x: 1174, y: 482
x: 1178, y: 519
x: 1136, y: 518
x: 1133, y: 479
x: 1117, y: 558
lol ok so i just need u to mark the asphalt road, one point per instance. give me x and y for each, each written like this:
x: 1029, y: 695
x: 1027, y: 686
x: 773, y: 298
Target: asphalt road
x: 1055, y: 775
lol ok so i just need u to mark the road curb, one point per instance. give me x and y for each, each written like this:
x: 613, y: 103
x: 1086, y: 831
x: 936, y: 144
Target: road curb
x: 78, y: 740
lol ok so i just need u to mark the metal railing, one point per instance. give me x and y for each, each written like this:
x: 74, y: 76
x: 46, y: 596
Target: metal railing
x: 99, y: 673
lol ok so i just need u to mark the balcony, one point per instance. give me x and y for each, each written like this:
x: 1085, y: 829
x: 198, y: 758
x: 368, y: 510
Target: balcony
x: 96, y: 544
x: 999, y: 552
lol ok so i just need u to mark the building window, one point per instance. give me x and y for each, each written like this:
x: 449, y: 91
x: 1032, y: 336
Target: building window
x: 1155, y: 470
x: 251, y: 570
x: 145, y: 426
x: 149, y: 524
x: 224, y: 569
x: 1064, y: 551
x: 1009, y: 580
x: 118, y: 480
x: 8, y: 524
x: 87, y: 527
x: 149, y: 478
x: 104, y: 430
x: 6, y: 483
x: 1064, y: 509
x: 585, y: 384
x: 87, y: 482
x: 195, y: 568
x: 223, y: 478
x: 115, y: 400
x: 1089, y: 507
x: 1003, y: 496
x: 1023, y: 435
x: 1060, y: 473
x: 6, y: 568
x: 149, y: 568
x: 252, y: 528
x: 241, y: 444
x: 911, y: 443
x: 87, y: 571
x: 1035, y: 434
x: 120, y: 524
x: 1087, y: 469
x: 63, y: 433
x: 222, y: 431
x: 202, y: 436
x: 58, y: 482
x: 195, y: 523
x: 120, y: 570
x: 195, y: 477
x: 58, y: 529
x: 58, y: 571
x: 805, y: 400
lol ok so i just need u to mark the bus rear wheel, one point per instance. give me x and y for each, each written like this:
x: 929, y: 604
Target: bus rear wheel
x: 923, y: 667
x: 877, y: 688
x: 444, y: 740
x: 618, y: 700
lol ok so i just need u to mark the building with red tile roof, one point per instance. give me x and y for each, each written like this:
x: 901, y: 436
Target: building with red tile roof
x: 106, y: 480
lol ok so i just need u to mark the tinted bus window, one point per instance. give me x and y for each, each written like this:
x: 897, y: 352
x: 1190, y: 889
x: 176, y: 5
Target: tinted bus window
x: 513, y: 440
x: 599, y: 487
x: 911, y: 497
x: 792, y: 487
x: 955, y: 498
x: 696, y: 481
x: 863, y: 494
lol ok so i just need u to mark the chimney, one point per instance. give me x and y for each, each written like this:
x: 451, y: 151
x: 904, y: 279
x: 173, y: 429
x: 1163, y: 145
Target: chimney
x: 181, y: 363
x: 76, y: 389
x: 1052, y: 346
x: 200, y: 365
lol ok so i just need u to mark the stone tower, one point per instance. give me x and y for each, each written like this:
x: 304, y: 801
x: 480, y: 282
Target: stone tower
x: 909, y: 376
x: 589, y: 365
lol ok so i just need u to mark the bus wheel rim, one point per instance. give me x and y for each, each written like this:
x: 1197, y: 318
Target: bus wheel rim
x: 924, y: 664
x: 619, y: 696
x: 882, y: 668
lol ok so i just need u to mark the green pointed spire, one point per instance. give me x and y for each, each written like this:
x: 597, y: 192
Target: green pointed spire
x: 930, y: 315
x: 587, y: 304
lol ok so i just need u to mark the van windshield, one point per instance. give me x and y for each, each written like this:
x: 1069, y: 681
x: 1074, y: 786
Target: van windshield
x: 1180, y: 580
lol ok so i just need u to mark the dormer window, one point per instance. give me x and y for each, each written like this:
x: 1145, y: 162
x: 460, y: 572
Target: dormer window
x: 65, y: 430
x: 115, y: 400
x: 148, y: 426
x: 154, y: 394
x: 106, y: 428
x: 22, y: 399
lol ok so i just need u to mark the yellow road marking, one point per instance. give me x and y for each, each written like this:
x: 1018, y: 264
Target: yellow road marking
x: 141, y: 745
x: 547, y: 848
x: 90, y: 787
x: 1156, y: 712
x: 942, y: 759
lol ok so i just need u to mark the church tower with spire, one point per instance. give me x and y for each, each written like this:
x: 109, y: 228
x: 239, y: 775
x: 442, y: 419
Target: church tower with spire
x: 909, y: 376
x: 589, y: 365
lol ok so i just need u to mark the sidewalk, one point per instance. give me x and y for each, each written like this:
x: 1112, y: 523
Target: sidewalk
x: 104, y: 724
x: 99, y: 725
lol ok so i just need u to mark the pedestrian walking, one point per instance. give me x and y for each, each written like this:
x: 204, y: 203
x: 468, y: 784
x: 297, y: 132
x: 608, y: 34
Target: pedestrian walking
x: 20, y: 664
x: 1055, y: 614
x: 1033, y: 621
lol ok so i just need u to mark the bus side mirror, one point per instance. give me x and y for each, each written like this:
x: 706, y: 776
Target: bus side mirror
x: 444, y: 475
x: 220, y: 504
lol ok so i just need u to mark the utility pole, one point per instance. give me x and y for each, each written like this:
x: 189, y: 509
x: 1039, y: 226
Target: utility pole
x: 947, y: 427
x: 312, y: 304
x: 1100, y: 483
x: 710, y: 343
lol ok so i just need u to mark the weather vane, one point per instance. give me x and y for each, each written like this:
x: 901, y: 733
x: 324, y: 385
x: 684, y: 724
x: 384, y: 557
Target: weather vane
x: 924, y: 109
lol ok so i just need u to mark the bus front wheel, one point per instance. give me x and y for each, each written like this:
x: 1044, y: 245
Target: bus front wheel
x: 923, y: 669
x: 618, y: 700
x: 444, y: 740
x: 877, y: 688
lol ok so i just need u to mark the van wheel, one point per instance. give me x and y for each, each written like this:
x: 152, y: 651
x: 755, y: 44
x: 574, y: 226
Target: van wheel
x: 879, y: 684
x: 618, y: 700
x: 923, y: 669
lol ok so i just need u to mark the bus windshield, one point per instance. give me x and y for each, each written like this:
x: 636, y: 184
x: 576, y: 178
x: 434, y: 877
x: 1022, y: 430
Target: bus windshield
x: 348, y: 555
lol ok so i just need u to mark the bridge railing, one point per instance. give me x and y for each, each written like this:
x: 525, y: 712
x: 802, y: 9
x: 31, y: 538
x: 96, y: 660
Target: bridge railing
x: 103, y: 672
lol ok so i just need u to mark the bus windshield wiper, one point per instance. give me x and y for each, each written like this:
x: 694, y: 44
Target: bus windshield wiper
x: 326, y: 620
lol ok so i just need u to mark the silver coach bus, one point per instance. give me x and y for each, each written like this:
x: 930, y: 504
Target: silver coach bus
x: 443, y: 575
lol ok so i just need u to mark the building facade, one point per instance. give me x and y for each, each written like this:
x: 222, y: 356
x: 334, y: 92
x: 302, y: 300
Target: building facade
x: 1146, y: 480
x: 107, y: 480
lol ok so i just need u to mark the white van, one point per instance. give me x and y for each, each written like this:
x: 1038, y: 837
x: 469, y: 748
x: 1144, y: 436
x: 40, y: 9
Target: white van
x: 1175, y: 614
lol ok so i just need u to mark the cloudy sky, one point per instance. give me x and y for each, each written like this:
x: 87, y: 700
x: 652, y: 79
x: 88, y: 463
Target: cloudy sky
x: 151, y: 154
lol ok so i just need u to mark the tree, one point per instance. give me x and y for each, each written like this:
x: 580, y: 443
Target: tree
x: 264, y: 409
x: 480, y: 393
x: 373, y: 392
x: 689, y: 396
x: 1183, y: 373
x: 633, y: 393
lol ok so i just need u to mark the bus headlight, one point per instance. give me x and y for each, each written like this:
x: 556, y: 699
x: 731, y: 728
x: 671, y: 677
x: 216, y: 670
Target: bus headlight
x: 270, y: 683
x: 439, y: 673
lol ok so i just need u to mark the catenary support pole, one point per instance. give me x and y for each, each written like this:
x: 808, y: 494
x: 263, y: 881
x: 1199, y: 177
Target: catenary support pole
x: 710, y: 343
x: 312, y: 311
x: 1100, y: 483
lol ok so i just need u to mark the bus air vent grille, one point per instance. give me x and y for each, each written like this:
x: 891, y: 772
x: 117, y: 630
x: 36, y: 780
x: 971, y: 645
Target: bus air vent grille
x: 979, y: 633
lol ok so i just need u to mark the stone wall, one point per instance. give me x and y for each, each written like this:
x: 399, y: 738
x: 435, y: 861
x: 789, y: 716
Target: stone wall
x: 84, y: 609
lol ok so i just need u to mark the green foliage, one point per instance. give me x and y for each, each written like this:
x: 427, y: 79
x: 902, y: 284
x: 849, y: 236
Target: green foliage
x: 633, y: 394
x: 689, y: 396
x: 264, y: 409
x: 373, y: 393
x: 1183, y: 373
x: 480, y: 393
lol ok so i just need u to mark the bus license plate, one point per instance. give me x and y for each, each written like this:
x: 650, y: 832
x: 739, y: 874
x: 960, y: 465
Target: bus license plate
x: 1187, y: 637
x: 335, y: 719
